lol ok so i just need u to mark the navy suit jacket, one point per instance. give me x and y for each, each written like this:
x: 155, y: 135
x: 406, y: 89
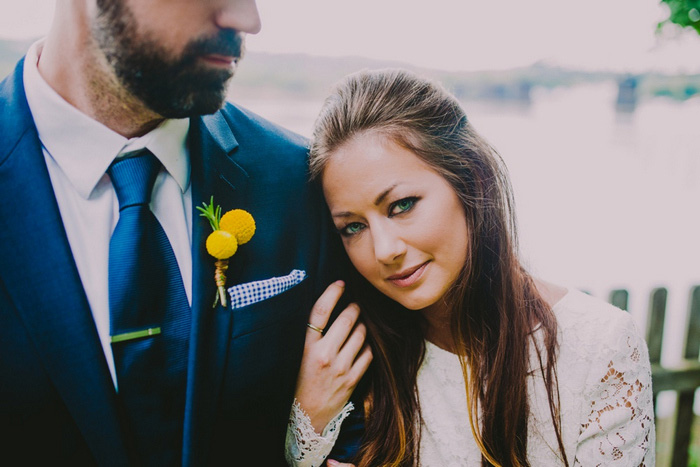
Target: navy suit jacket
x: 57, y: 401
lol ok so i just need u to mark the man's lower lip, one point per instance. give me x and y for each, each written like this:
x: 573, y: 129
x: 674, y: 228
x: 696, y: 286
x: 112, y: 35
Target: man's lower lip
x: 219, y: 60
x: 410, y: 280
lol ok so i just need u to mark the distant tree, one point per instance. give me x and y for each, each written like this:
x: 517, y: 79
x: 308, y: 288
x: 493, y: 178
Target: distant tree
x: 685, y: 13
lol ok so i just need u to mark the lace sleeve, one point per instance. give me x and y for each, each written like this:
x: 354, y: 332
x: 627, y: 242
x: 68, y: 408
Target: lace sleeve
x: 619, y: 428
x: 306, y: 448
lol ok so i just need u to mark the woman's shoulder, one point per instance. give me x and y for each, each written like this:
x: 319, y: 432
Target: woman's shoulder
x: 602, y: 369
x: 588, y: 327
x: 579, y: 310
x: 594, y: 331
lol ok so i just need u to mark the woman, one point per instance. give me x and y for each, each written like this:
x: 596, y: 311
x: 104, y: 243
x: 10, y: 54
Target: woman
x: 474, y: 361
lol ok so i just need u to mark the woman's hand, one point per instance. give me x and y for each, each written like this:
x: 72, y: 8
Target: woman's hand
x: 333, y: 363
x: 334, y: 463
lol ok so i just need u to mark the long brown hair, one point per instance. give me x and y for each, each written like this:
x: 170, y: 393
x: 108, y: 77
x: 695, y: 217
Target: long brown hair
x: 495, y: 306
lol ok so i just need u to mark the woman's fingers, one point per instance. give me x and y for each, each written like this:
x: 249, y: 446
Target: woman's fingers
x: 322, y: 309
x: 341, y: 328
x: 334, y: 463
x: 361, y: 363
x: 353, y: 345
x: 334, y: 362
x: 354, y: 357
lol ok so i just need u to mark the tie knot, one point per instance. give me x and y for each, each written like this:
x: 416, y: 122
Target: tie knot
x: 133, y: 178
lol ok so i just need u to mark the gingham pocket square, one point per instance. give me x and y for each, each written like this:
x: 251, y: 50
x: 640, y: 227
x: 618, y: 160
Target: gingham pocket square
x: 254, y: 292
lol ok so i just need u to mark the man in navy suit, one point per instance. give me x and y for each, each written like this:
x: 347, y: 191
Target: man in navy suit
x: 114, y: 77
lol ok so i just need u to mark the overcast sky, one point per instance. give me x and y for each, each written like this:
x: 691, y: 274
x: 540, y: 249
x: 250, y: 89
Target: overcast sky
x: 450, y: 34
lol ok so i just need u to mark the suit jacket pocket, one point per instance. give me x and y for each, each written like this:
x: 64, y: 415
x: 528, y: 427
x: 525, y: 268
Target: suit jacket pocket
x: 277, y: 309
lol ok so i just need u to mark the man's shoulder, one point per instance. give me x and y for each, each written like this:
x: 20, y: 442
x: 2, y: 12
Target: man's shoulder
x: 15, y: 116
x: 11, y: 85
x: 247, y: 124
x: 263, y: 147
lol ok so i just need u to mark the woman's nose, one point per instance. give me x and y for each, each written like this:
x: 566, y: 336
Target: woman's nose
x: 388, y: 246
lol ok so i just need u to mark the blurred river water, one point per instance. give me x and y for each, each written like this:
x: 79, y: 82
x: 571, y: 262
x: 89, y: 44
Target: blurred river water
x: 604, y: 200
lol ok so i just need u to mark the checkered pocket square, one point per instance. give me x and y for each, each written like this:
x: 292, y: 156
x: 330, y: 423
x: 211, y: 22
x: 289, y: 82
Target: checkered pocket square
x: 253, y: 292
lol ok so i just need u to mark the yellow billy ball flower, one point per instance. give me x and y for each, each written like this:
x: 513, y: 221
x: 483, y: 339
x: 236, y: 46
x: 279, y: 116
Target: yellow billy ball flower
x: 239, y: 223
x: 221, y: 244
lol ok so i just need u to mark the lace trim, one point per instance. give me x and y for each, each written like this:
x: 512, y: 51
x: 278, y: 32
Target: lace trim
x: 305, y: 447
x: 619, y: 429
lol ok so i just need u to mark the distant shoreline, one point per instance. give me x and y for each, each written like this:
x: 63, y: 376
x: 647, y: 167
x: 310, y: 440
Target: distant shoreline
x: 305, y: 76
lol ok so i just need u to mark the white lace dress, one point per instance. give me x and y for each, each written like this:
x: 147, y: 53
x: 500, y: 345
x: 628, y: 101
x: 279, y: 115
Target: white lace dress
x: 605, y: 391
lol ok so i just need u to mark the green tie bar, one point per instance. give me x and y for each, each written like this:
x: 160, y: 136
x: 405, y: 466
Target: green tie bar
x: 127, y: 336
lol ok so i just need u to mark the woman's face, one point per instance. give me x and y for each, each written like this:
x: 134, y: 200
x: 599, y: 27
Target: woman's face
x: 402, y: 224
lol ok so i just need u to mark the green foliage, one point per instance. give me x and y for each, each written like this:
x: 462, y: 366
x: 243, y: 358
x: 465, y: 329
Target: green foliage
x: 685, y: 13
x: 212, y: 213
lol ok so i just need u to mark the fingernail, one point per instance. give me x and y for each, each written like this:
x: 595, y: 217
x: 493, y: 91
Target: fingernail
x: 331, y: 462
x: 340, y: 283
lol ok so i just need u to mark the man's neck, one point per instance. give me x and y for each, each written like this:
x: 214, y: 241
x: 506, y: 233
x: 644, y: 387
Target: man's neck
x: 71, y: 63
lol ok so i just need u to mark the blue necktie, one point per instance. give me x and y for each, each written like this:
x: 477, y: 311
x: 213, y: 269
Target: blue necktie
x: 149, y: 315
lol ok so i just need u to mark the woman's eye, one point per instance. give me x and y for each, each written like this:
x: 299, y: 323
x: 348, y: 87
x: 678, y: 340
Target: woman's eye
x: 352, y: 229
x: 402, y: 205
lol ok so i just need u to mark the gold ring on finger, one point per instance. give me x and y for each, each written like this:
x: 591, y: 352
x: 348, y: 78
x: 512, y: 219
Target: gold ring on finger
x: 315, y: 328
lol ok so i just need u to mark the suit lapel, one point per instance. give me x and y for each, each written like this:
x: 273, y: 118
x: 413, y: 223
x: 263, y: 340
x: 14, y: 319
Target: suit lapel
x: 43, y: 282
x: 214, y: 173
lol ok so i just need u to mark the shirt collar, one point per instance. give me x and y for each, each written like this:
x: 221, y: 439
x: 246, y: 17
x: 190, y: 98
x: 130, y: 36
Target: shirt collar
x: 168, y: 142
x: 84, y: 148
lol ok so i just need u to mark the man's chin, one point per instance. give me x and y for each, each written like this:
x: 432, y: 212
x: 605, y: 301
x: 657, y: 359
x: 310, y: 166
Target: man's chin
x: 200, y: 96
x: 193, y: 107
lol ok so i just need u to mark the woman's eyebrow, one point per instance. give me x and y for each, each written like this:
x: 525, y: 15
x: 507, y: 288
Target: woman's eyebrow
x: 377, y: 201
x: 384, y: 194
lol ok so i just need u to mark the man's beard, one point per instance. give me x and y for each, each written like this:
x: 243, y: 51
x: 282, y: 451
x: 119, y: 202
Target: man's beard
x: 174, y: 87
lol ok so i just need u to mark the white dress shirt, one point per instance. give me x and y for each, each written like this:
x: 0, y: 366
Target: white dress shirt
x: 78, y: 151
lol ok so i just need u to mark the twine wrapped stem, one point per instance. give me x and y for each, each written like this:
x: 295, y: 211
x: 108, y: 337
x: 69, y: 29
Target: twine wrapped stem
x: 220, y: 279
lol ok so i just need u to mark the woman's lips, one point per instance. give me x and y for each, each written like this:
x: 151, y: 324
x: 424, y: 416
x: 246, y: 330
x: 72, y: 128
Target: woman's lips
x: 409, y: 277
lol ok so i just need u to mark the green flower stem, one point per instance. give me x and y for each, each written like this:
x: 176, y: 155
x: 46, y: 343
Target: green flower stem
x: 213, y: 214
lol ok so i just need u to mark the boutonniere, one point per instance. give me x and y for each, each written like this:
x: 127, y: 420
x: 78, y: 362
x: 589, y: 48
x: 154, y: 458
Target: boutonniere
x: 234, y: 228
